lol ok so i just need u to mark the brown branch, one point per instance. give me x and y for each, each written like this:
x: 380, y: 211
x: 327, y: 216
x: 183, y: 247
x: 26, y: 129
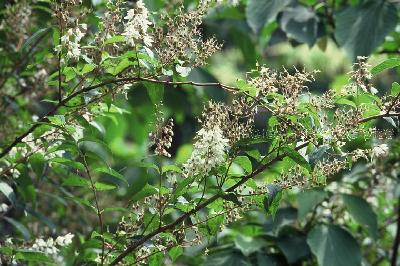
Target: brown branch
x: 186, y: 215
x: 64, y: 101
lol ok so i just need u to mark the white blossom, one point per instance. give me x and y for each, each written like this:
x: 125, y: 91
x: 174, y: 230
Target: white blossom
x: 71, y: 41
x: 3, y: 207
x: 208, y: 152
x: 137, y: 25
x: 380, y: 150
x: 51, y: 246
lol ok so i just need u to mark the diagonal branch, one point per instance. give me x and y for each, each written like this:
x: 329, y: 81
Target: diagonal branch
x: 64, y: 101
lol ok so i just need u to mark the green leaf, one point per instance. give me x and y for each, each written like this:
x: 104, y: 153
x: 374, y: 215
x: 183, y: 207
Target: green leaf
x: 245, y: 163
x: 242, y: 85
x: 345, y: 101
x: 87, y: 68
x: 32, y: 256
x: 115, y: 39
x: 8, y: 192
x: 34, y: 38
x: 112, y: 172
x: 37, y: 162
x: 227, y: 258
x: 19, y: 226
x: 69, y: 72
x: 388, y: 63
x: 258, y: 13
x: 248, y: 245
x: 362, y: 213
x: 308, y: 199
x: 318, y: 154
x: 272, y: 199
x: 363, y: 27
x: 294, y: 247
x: 175, y: 252
x: 103, y: 186
x: 75, y: 181
x: 171, y: 168
x: 297, y: 157
x: 155, y: 91
x: 334, y: 246
x: 148, y: 190
x: 301, y: 24
x: 68, y: 162
x: 395, y: 89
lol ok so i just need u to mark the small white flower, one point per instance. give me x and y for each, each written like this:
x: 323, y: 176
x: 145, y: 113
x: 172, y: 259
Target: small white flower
x: 380, y: 150
x: 3, y: 207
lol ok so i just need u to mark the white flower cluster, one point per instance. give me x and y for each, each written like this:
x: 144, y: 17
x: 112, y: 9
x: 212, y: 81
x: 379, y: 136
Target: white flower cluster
x: 71, y: 41
x: 380, y: 151
x: 137, y: 25
x: 208, y: 152
x: 3, y: 207
x: 51, y: 246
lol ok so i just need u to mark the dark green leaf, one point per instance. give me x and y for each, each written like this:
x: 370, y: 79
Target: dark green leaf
x: 362, y: 213
x: 294, y: 247
x: 75, y: 181
x: 227, y: 258
x: 334, y: 246
x: 272, y: 199
x: 32, y: 256
x: 297, y: 157
x: 258, y: 12
x: 362, y: 28
x: 388, y: 63
x: 19, y: 226
x: 248, y: 245
x: 308, y: 199
x: 155, y: 91
x: 245, y: 163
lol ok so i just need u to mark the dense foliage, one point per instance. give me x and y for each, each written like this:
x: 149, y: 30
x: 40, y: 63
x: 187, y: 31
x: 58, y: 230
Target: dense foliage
x: 168, y: 133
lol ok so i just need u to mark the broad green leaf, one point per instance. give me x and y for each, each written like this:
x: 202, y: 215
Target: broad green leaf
x: 8, y: 192
x: 112, y: 172
x: 103, y: 186
x: 345, y: 101
x: 334, y: 246
x: 297, y: 157
x: 294, y: 247
x: 388, y: 63
x: 171, y: 168
x: 68, y: 162
x: 34, y: 38
x: 155, y: 91
x: 258, y: 13
x: 115, y: 39
x: 27, y: 255
x: 363, y: 27
x: 395, y: 89
x: 75, y: 181
x: 245, y: 163
x: 307, y: 200
x: 87, y: 68
x: 37, y: 162
x: 300, y: 23
x: 248, y: 245
x: 19, y: 226
x: 175, y: 252
x: 70, y: 73
x: 362, y: 213
x: 148, y: 190
x: 227, y: 258
x: 272, y: 199
x: 318, y: 154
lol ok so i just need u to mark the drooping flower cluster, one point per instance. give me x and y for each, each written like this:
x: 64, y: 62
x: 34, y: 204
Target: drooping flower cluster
x: 182, y: 41
x: 51, y: 246
x: 161, y: 137
x: 71, y: 41
x: 208, y: 152
x: 137, y: 25
x: 380, y: 150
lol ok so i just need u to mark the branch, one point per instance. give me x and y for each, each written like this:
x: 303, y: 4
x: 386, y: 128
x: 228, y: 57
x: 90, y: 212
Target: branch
x: 64, y: 101
x: 172, y: 225
x: 183, y: 217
